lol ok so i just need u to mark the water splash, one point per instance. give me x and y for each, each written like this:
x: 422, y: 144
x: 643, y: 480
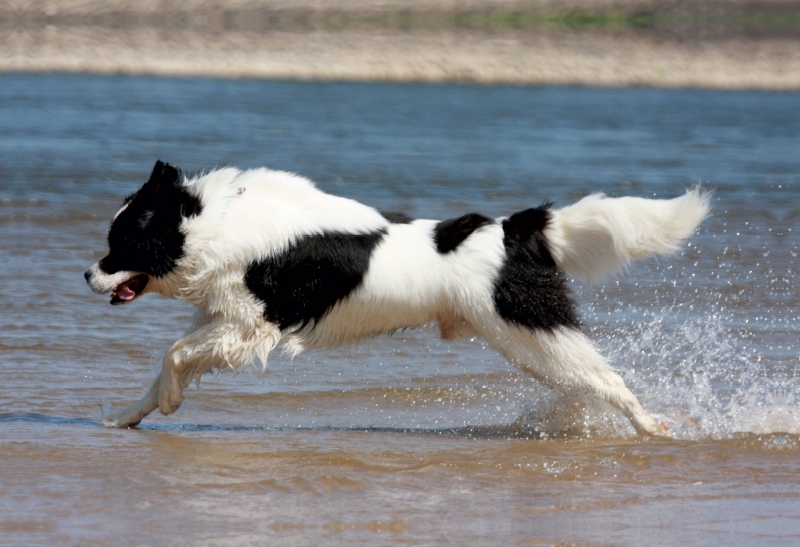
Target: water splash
x: 704, y: 378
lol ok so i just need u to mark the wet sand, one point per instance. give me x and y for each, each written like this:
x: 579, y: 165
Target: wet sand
x: 722, y: 45
x: 346, y: 487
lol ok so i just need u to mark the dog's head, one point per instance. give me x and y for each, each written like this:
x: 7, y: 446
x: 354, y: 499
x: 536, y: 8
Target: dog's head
x: 145, y: 239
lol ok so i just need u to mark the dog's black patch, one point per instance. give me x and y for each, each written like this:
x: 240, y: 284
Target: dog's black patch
x: 396, y: 218
x: 146, y: 236
x: 449, y: 234
x: 531, y: 290
x: 301, y: 284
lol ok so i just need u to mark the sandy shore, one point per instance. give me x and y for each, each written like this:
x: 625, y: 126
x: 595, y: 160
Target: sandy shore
x: 727, y: 45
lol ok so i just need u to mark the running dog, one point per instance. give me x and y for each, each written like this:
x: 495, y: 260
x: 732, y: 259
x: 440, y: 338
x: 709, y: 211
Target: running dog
x: 271, y: 260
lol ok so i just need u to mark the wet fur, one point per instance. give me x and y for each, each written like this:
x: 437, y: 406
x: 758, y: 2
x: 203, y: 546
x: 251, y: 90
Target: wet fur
x: 269, y: 260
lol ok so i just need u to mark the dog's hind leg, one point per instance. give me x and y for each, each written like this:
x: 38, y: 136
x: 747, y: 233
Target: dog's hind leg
x: 565, y: 358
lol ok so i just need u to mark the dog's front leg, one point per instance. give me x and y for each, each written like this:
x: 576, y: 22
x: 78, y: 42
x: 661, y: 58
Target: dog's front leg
x: 129, y: 417
x: 170, y: 390
x: 187, y: 354
x: 189, y: 357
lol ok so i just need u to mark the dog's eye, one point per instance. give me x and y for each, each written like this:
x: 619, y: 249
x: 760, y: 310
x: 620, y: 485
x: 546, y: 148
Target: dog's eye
x: 144, y: 220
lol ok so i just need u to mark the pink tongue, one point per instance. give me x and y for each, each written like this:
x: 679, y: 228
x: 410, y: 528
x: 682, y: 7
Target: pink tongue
x: 124, y: 291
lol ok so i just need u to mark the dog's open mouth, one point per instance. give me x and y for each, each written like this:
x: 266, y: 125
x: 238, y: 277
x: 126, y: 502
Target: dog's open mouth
x: 130, y: 289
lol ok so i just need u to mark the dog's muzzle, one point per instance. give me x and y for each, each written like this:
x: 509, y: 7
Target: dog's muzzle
x: 124, y: 286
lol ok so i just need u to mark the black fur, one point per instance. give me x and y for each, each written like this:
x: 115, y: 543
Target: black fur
x: 396, y: 218
x: 449, y: 234
x: 531, y: 291
x: 146, y: 236
x: 300, y: 285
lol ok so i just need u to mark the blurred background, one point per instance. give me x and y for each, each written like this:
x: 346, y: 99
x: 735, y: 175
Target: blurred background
x: 697, y: 43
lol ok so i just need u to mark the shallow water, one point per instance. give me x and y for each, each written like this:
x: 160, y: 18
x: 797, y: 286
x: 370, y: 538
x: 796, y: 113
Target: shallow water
x: 404, y: 439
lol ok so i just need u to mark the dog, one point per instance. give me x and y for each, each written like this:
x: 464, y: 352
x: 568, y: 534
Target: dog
x: 269, y: 260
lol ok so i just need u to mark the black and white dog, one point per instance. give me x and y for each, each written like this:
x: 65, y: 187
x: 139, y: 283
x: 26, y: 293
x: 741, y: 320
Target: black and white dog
x: 269, y: 259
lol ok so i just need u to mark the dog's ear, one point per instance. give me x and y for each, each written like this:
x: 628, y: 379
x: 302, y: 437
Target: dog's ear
x: 165, y: 184
x: 164, y: 176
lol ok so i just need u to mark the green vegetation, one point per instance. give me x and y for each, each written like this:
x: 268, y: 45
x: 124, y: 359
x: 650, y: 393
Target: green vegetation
x: 574, y: 20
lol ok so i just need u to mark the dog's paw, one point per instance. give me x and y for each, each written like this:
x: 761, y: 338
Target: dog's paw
x: 123, y: 418
x: 645, y: 425
x: 662, y: 430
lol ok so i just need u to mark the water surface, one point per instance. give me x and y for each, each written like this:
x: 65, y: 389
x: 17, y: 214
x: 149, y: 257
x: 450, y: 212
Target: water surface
x: 403, y: 439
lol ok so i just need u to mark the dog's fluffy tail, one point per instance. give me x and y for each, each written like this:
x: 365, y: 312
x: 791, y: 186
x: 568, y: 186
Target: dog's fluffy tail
x: 598, y: 236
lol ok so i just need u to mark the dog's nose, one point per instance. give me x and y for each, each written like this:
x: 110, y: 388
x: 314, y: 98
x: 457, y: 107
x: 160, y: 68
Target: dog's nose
x: 87, y: 274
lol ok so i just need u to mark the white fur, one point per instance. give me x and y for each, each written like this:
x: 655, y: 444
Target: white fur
x: 253, y: 214
x: 101, y: 282
x: 599, y: 236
